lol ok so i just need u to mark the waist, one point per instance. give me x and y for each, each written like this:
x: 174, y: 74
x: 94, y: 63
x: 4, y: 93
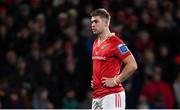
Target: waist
x: 100, y: 90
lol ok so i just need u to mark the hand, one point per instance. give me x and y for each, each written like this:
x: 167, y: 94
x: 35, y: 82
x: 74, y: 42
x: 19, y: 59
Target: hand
x: 109, y: 82
x: 91, y: 83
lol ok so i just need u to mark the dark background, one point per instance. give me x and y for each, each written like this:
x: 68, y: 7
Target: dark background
x: 45, y: 52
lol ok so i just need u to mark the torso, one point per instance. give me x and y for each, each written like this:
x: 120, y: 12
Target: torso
x: 105, y: 64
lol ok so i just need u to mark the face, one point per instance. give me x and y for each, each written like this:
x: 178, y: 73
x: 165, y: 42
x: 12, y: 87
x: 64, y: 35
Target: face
x: 98, y: 24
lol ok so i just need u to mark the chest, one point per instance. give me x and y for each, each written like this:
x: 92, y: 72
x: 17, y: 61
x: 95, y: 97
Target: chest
x: 104, y: 50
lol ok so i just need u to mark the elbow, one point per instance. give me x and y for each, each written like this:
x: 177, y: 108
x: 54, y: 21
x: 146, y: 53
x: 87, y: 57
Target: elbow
x: 134, y: 66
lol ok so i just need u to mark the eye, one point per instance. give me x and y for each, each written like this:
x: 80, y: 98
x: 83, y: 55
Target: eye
x: 94, y: 21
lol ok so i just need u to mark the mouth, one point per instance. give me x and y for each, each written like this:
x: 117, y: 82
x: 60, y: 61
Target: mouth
x: 93, y: 30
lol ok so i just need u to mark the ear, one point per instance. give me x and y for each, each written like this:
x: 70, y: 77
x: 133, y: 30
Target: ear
x: 106, y: 22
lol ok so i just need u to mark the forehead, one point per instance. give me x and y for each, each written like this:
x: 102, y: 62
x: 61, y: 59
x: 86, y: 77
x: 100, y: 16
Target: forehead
x: 95, y: 18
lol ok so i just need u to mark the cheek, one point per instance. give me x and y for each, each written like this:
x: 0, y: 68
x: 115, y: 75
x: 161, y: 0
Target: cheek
x: 100, y: 25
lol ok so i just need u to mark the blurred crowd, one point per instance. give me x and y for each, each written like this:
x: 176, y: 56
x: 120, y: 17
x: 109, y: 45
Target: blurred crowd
x: 45, y: 52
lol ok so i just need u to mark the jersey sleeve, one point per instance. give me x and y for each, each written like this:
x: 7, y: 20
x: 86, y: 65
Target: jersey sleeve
x: 121, y: 50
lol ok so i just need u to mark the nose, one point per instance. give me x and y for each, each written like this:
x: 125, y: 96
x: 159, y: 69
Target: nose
x: 93, y: 24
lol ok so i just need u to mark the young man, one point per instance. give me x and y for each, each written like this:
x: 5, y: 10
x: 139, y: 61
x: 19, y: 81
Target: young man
x: 109, y: 52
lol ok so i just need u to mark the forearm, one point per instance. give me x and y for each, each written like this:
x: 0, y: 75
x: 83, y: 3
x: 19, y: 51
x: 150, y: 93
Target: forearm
x: 126, y: 72
x: 130, y: 67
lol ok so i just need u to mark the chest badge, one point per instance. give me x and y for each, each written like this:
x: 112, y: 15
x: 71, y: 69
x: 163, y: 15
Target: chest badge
x: 103, y: 47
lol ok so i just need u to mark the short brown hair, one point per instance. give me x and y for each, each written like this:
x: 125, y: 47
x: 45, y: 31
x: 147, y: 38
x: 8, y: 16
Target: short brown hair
x: 101, y: 12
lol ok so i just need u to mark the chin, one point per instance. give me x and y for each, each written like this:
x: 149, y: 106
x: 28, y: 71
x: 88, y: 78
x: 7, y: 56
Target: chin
x: 95, y: 33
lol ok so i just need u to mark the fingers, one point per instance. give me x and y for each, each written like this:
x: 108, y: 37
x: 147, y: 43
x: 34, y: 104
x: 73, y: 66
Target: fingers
x: 104, y: 84
x: 108, y: 82
x: 103, y: 80
x: 91, y: 83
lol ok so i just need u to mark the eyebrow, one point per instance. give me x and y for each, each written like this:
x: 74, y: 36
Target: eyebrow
x: 94, y: 20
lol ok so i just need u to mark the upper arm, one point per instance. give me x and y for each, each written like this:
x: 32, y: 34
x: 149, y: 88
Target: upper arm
x: 129, y: 60
x: 124, y: 54
x: 121, y: 51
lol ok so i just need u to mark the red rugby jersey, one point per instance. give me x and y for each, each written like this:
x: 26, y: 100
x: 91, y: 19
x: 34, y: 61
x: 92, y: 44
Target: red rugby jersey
x: 107, y: 61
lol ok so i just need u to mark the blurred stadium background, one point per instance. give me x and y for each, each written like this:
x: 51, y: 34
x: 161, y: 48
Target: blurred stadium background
x: 45, y: 52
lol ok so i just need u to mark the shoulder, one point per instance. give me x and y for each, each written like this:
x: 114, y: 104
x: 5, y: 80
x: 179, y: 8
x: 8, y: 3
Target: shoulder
x: 115, y: 40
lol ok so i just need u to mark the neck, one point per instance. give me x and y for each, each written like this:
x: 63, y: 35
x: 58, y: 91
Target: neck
x: 104, y: 34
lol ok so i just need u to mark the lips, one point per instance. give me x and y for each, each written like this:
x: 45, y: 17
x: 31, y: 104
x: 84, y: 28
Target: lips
x: 93, y: 29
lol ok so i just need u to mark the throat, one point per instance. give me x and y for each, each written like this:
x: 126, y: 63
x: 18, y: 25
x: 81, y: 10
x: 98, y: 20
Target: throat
x: 102, y: 38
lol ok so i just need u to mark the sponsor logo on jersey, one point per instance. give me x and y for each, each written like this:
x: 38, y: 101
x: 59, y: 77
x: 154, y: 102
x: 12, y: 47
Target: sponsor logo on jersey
x: 122, y: 48
x: 98, y: 58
